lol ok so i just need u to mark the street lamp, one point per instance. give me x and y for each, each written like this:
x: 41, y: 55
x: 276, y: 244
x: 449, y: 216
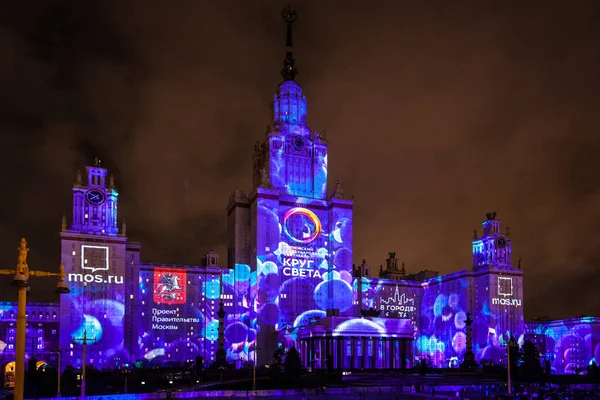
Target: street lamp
x: 126, y: 371
x: 254, y: 368
x: 510, y: 344
x: 57, y: 352
x: 21, y: 282
x: 84, y: 341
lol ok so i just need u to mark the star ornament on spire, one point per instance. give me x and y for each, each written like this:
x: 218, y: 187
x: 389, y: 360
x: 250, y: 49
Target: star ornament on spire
x: 289, y: 15
x: 289, y: 70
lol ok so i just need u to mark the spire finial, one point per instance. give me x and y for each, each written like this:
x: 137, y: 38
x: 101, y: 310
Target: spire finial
x: 289, y: 70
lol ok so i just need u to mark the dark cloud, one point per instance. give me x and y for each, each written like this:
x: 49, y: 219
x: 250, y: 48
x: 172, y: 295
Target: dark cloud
x: 436, y: 113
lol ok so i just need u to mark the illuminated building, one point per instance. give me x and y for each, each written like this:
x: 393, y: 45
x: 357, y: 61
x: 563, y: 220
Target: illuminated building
x: 566, y: 345
x: 289, y: 280
x: 134, y: 311
x: 41, y: 335
x: 296, y: 241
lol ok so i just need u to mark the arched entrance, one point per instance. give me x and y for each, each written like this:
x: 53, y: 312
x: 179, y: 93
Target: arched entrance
x: 9, y: 375
x: 41, y: 364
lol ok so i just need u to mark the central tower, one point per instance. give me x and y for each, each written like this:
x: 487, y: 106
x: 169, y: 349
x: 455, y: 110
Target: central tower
x: 293, y: 157
x: 296, y: 241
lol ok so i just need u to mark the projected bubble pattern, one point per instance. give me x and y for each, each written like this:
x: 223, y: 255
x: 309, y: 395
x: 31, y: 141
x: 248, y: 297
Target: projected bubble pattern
x: 303, y: 260
x: 175, y: 332
x: 289, y: 280
x: 568, y: 345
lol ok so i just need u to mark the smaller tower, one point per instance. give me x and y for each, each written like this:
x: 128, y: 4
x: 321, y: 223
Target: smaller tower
x: 95, y: 203
x: 392, y: 271
x: 211, y: 259
x: 362, y: 270
x: 492, y: 249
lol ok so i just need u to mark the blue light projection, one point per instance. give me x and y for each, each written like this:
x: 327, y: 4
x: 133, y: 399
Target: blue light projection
x: 304, y: 261
x: 98, y: 310
x: 178, y: 332
x: 441, y: 336
x: 298, y: 156
x: 446, y: 300
x: 567, y: 345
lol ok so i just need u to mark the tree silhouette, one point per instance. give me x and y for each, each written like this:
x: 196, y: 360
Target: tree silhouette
x: 515, y: 356
x: 292, y: 363
x: 529, y: 362
x: 593, y: 371
x: 275, y: 368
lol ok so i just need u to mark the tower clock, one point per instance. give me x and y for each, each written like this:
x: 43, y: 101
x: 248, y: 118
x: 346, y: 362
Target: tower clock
x: 492, y: 249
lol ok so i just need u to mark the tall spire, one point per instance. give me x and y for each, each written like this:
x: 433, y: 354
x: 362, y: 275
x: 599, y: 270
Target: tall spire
x: 289, y: 70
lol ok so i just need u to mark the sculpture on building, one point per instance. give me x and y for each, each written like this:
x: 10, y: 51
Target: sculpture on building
x: 264, y: 178
x: 338, y: 190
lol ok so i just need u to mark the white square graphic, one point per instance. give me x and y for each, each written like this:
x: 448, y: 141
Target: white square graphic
x: 505, y: 286
x: 94, y: 258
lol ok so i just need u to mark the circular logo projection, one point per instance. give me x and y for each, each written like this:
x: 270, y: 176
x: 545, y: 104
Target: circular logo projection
x: 301, y: 225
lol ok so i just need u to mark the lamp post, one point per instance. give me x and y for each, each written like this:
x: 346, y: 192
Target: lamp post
x: 20, y: 281
x: 511, y: 343
x: 57, y: 352
x: 84, y: 341
x: 126, y: 373
x: 254, y: 368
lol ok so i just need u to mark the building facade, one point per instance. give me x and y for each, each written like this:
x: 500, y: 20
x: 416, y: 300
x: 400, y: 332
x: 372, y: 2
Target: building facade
x: 41, y: 338
x: 288, y: 281
x: 566, y: 346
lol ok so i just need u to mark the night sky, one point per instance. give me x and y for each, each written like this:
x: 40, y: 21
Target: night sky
x: 436, y: 113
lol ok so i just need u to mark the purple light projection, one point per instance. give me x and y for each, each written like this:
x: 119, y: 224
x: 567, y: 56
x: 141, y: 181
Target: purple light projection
x: 304, y: 261
x: 177, y: 318
x: 567, y: 345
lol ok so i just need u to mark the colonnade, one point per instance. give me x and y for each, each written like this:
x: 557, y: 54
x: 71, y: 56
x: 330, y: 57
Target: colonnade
x: 339, y: 352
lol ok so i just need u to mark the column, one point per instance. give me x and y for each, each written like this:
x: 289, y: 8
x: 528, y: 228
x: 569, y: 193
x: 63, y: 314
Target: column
x: 352, y: 352
x: 373, y: 353
x: 367, y: 354
x: 312, y: 353
x: 340, y: 364
x: 410, y: 353
x: 327, y: 354
x: 392, y: 355
x: 330, y: 353
x: 383, y: 353
x: 380, y: 353
x: 306, y: 358
x: 402, y: 354
x: 321, y: 353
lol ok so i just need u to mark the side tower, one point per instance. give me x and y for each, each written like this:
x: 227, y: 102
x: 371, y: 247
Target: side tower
x: 297, y: 242
x: 95, y: 202
x: 498, y: 301
x: 95, y: 256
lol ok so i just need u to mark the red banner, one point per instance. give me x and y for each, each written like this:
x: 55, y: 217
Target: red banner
x: 169, y: 286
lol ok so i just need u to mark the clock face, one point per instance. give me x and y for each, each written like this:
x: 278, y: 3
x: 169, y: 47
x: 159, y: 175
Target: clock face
x: 501, y: 242
x: 298, y: 142
x: 95, y: 197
